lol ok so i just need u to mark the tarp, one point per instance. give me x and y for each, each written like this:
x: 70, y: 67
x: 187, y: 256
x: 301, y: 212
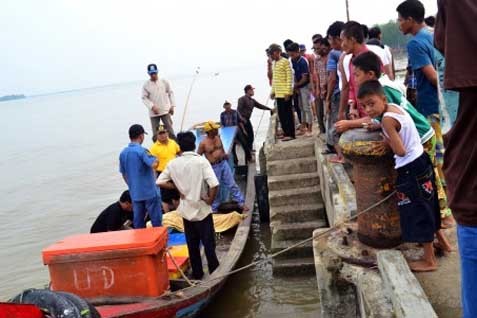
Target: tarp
x: 222, y: 222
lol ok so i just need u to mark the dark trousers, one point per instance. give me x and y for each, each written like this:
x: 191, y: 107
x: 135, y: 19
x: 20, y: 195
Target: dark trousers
x: 296, y: 106
x: 197, y: 232
x: 320, y: 113
x: 241, y: 138
x: 250, y: 137
x: 285, y: 113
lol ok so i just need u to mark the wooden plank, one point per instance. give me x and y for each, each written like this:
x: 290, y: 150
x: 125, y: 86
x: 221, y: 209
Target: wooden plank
x: 407, y: 295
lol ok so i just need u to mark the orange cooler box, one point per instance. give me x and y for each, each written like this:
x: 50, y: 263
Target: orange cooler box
x: 113, y: 264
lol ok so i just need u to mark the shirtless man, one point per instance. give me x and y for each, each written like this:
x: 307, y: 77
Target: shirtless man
x: 213, y: 149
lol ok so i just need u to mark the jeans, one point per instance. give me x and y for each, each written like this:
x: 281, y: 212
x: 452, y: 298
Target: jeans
x: 467, y: 239
x: 224, y: 175
x: 152, y: 207
x: 166, y: 121
x: 305, y: 105
x: 332, y: 136
x: 195, y: 233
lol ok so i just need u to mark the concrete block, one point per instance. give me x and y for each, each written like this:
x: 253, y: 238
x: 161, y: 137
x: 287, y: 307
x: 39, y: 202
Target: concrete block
x: 298, y: 213
x: 292, y: 150
x: 290, y: 197
x: 291, y: 181
x: 295, y: 166
x: 407, y: 295
x: 298, y: 230
x: 373, y: 300
x: 294, y: 267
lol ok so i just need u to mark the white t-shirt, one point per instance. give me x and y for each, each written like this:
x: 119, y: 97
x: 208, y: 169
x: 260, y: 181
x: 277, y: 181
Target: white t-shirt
x: 190, y: 172
x: 385, y: 59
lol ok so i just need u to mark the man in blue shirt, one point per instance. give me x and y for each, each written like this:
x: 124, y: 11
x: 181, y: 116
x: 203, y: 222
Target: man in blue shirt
x: 302, y: 86
x: 420, y: 49
x: 137, y: 166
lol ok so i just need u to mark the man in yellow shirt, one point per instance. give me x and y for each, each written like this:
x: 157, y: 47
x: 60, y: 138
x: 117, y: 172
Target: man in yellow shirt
x: 164, y: 149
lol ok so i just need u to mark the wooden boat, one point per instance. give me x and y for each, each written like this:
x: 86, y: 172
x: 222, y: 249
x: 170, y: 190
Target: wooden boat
x: 184, y: 300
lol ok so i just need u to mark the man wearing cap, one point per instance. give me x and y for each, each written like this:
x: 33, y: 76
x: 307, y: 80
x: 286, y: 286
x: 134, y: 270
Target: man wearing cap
x: 282, y: 90
x: 245, y: 107
x: 211, y: 146
x: 137, y: 166
x: 164, y: 149
x: 159, y: 99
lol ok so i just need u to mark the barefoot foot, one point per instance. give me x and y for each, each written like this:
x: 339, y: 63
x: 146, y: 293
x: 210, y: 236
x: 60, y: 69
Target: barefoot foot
x: 423, y: 266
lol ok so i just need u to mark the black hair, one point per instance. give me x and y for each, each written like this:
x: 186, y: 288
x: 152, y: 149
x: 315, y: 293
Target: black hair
x: 286, y: 43
x: 368, y: 62
x: 316, y: 37
x: 412, y: 9
x: 353, y: 29
x: 186, y: 141
x: 365, y: 30
x: 227, y: 103
x: 374, y: 32
x: 125, y: 197
x: 325, y: 42
x: 368, y: 88
x: 335, y: 29
x: 430, y: 21
x: 293, y: 47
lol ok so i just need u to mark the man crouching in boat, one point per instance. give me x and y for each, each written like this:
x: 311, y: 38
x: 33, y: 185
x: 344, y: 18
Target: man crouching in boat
x: 115, y: 215
x: 188, y: 173
x: 213, y: 149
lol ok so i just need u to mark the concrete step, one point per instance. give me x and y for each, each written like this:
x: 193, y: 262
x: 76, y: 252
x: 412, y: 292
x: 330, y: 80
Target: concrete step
x: 294, y: 267
x: 298, y: 213
x: 292, y: 150
x: 304, y: 250
x: 298, y: 196
x: 295, y: 166
x: 300, y: 231
x: 290, y: 181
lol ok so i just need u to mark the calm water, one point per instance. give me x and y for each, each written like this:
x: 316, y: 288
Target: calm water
x: 59, y: 169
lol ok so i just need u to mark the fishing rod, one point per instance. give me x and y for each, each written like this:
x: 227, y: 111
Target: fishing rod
x: 188, y: 96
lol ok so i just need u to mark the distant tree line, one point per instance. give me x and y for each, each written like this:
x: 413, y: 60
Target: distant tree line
x: 392, y: 36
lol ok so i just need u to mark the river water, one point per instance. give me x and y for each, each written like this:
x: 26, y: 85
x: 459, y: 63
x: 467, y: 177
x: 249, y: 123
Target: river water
x: 59, y: 170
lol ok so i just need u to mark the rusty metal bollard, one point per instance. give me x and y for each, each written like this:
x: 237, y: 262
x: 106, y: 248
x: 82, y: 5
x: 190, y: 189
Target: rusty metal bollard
x: 374, y: 178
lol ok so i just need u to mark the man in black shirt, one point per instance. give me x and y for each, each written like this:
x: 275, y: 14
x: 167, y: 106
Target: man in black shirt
x: 114, y: 216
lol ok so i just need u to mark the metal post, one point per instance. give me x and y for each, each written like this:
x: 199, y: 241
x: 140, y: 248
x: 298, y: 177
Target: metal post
x: 347, y: 10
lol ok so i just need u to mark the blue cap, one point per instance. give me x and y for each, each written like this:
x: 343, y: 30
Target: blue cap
x: 302, y: 47
x: 152, y: 69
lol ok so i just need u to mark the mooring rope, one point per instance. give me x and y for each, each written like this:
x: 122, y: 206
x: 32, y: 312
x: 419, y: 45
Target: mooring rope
x: 320, y: 235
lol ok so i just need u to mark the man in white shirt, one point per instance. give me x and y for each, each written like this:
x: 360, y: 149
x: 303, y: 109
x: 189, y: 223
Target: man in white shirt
x: 159, y: 99
x: 190, y: 173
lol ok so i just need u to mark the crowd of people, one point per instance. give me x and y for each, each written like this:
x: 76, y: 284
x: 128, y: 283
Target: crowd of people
x: 349, y: 82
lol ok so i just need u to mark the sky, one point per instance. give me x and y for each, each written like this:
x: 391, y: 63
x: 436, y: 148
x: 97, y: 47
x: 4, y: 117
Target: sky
x: 55, y: 45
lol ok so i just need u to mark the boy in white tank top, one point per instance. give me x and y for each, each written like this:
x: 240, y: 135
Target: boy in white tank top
x: 415, y: 184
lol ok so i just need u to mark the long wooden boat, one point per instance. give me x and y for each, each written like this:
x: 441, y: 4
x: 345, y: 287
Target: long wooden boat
x: 184, y: 300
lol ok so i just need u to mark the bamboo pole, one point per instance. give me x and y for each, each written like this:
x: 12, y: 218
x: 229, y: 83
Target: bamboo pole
x: 347, y: 10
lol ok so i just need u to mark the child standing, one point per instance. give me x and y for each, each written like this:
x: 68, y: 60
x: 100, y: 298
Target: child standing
x: 415, y: 184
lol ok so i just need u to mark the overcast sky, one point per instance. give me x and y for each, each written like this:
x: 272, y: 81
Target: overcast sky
x: 53, y: 45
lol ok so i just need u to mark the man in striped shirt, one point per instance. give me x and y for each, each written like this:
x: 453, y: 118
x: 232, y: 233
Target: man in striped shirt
x: 159, y: 99
x: 282, y: 90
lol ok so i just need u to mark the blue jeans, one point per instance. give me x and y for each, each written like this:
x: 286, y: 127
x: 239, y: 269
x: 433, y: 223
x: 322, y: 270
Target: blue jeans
x: 467, y: 238
x: 226, y: 179
x: 151, y: 206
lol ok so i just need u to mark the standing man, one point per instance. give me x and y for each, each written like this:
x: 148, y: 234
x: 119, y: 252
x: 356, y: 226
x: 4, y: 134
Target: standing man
x: 322, y: 48
x: 245, y: 107
x: 164, y: 149
x: 213, y: 149
x: 333, y: 92
x: 137, y: 166
x: 228, y: 118
x: 302, y: 87
x: 456, y: 41
x: 159, y: 99
x: 189, y: 173
x: 282, y: 91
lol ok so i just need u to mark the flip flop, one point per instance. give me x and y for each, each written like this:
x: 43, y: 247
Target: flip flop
x: 336, y: 160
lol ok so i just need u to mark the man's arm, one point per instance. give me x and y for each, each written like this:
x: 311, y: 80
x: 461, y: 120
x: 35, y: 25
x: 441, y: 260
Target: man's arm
x: 125, y: 178
x: 211, y: 180
x: 430, y: 73
x: 170, y: 95
x: 344, y: 97
x: 201, y: 148
x: 212, y: 193
x: 260, y: 106
x: 164, y: 180
x: 331, y: 84
x: 288, y: 80
x: 145, y: 98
